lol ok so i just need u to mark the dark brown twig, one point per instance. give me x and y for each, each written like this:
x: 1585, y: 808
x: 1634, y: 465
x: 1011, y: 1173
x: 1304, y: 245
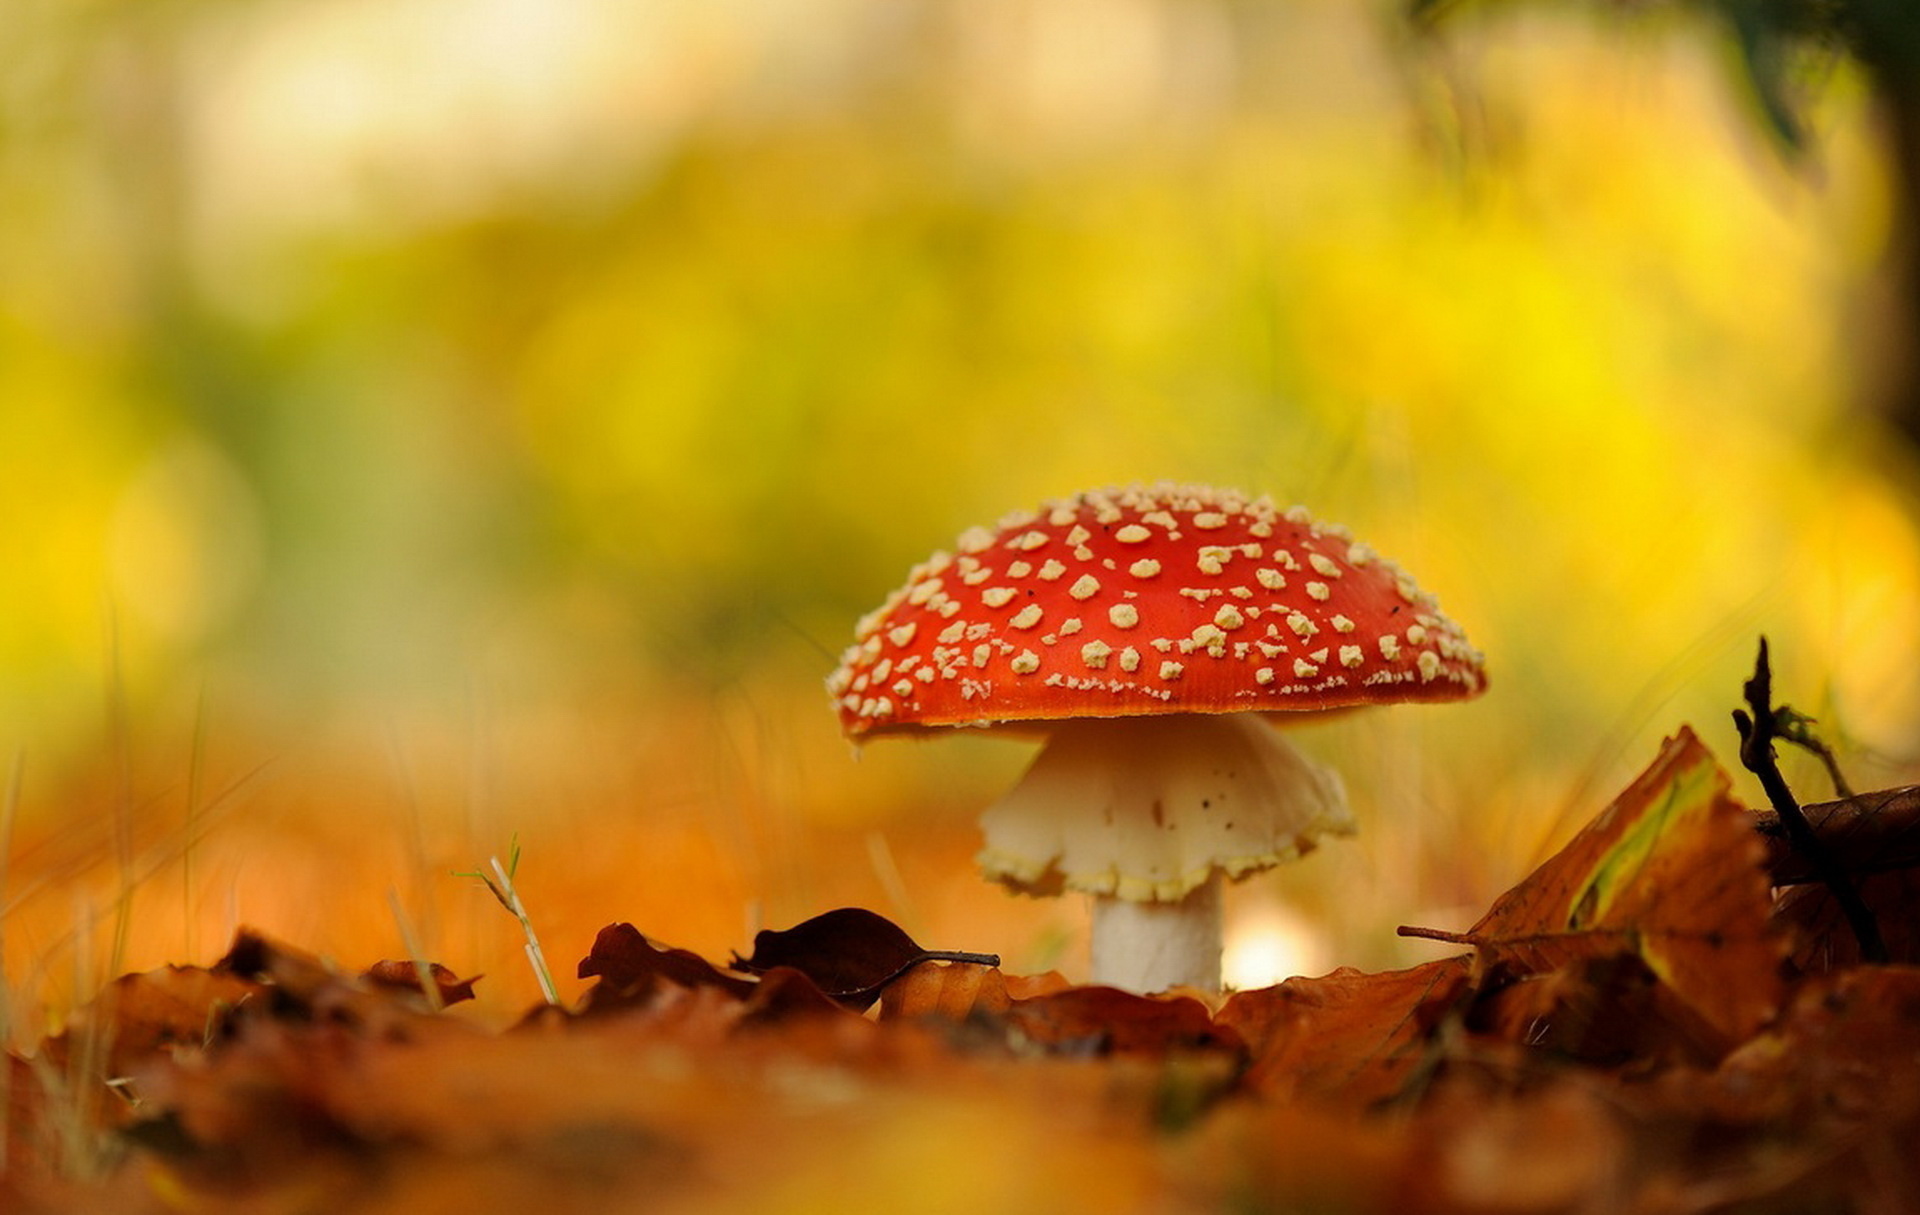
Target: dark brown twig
x: 1436, y: 934
x: 1759, y: 724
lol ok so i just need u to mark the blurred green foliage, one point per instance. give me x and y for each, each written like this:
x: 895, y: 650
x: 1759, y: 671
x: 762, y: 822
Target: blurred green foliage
x: 359, y: 358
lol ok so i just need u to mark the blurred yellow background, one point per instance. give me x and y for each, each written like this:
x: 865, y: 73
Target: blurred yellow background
x: 426, y: 423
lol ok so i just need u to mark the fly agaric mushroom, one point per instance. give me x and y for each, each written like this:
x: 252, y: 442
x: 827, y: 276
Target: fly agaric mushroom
x: 1154, y: 634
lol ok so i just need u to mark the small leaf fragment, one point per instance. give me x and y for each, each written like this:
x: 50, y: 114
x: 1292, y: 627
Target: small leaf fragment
x: 630, y: 967
x: 851, y: 953
x: 1108, y: 1021
x: 140, y: 1014
x: 952, y: 992
x: 295, y: 972
x: 405, y: 976
x: 784, y: 994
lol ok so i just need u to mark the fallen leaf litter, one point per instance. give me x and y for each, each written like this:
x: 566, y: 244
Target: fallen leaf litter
x: 1627, y: 1031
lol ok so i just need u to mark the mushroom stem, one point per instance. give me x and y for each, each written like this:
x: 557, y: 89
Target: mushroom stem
x: 1150, y: 815
x: 1154, y: 946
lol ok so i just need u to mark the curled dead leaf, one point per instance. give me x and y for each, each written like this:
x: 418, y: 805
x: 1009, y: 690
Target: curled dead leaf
x: 630, y: 968
x: 405, y: 976
x: 851, y: 953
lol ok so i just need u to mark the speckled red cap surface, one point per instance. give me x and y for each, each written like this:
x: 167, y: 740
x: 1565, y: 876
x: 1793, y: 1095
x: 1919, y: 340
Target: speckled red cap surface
x: 1160, y: 599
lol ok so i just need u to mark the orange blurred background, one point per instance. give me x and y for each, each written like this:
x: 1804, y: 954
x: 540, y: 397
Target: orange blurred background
x: 425, y: 425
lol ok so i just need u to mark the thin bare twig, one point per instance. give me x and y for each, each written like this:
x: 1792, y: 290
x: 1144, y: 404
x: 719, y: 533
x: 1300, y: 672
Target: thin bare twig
x: 1759, y: 725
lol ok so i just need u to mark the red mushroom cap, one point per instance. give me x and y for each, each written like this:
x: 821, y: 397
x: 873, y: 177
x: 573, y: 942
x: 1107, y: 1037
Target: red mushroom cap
x: 1168, y: 599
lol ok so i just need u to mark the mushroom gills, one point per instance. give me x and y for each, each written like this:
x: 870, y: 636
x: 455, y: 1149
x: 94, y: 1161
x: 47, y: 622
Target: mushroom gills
x: 1150, y: 810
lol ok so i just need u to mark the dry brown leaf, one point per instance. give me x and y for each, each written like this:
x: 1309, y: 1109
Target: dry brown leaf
x: 1607, y: 1012
x: 784, y: 993
x: 1047, y: 1012
x: 405, y: 977
x: 1347, y: 1038
x: 1026, y: 987
x: 1843, y: 1050
x: 671, y: 1111
x: 295, y: 973
x: 630, y: 969
x: 139, y: 1014
x: 1866, y: 833
x: 950, y: 990
x: 1817, y: 1113
x: 850, y: 953
x: 1578, y: 1061
x: 1108, y: 1021
x: 1823, y: 940
x: 1671, y: 871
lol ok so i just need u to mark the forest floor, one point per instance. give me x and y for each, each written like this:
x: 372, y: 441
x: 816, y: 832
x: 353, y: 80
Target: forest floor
x: 1666, y: 1016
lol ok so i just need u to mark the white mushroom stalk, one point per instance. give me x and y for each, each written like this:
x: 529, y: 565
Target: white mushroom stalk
x: 1149, y: 815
